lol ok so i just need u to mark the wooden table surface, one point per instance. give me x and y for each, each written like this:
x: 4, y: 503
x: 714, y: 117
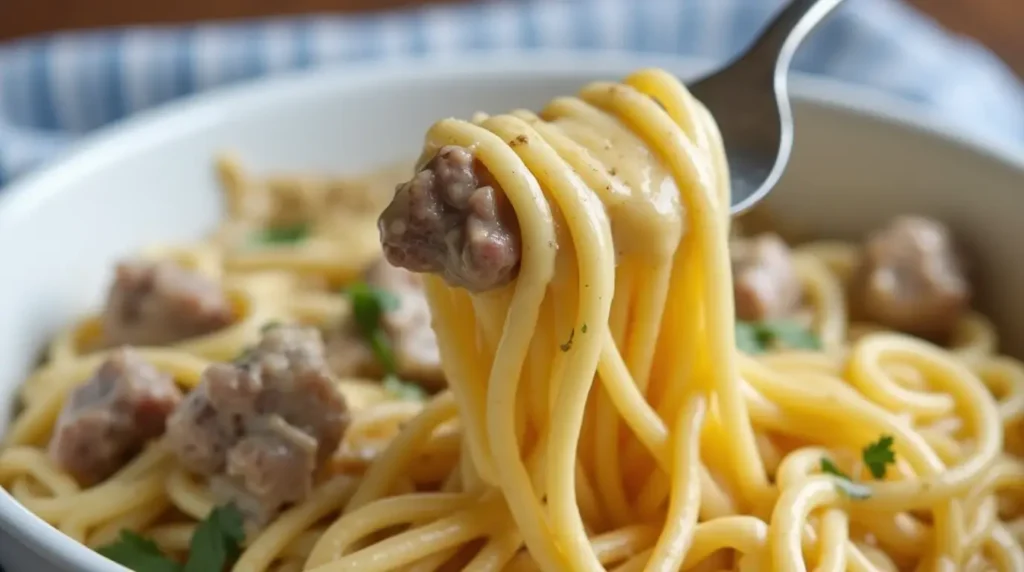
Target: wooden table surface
x: 996, y: 23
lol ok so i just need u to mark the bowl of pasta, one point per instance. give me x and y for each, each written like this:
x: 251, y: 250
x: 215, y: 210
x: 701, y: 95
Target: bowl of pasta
x: 493, y: 315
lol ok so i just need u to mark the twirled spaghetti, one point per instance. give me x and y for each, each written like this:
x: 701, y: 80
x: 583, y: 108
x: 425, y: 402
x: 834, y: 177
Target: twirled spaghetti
x: 598, y: 415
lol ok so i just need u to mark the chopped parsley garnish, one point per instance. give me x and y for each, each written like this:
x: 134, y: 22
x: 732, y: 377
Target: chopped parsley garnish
x: 368, y: 307
x: 852, y: 489
x: 217, y: 541
x: 215, y: 544
x: 245, y: 355
x: 380, y: 343
x: 136, y: 552
x: 879, y: 455
x: 403, y: 390
x: 269, y: 326
x: 288, y: 234
x: 584, y: 328
x: 568, y: 344
x: 829, y: 467
x: 758, y: 337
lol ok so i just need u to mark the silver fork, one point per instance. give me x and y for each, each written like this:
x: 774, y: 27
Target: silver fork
x: 749, y: 100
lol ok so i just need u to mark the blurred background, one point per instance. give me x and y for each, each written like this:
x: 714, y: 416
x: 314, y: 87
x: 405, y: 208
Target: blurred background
x: 70, y: 66
x: 997, y: 23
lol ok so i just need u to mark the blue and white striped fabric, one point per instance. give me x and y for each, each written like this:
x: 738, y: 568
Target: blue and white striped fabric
x: 54, y: 89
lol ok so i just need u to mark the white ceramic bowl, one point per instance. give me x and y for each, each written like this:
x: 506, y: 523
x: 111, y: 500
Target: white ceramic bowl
x: 859, y: 159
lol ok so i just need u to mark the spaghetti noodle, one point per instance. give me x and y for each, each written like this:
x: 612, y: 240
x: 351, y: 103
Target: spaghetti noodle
x: 598, y: 415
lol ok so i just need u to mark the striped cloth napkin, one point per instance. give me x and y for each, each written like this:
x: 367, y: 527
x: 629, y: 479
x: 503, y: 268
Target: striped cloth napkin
x: 55, y: 89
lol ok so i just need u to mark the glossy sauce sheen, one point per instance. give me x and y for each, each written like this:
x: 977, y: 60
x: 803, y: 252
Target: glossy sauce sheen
x: 642, y: 200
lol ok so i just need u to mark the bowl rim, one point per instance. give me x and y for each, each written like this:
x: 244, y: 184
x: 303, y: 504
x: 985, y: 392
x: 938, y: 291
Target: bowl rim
x: 165, y: 122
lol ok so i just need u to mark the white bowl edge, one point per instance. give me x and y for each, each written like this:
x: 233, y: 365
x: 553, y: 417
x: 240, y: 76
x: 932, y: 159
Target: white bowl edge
x: 151, y: 128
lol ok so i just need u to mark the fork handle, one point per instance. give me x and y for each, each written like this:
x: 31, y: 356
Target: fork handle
x: 780, y: 39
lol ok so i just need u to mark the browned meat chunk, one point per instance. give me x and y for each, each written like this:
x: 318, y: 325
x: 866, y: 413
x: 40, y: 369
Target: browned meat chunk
x: 447, y: 221
x: 107, y: 420
x: 407, y: 327
x: 155, y: 303
x: 911, y: 278
x: 765, y: 283
x: 260, y: 427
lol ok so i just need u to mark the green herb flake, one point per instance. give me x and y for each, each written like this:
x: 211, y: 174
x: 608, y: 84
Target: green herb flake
x: 137, y: 552
x: 380, y: 343
x: 878, y: 456
x: 215, y: 545
x: 584, y: 328
x: 269, y: 326
x: 369, y: 305
x: 758, y: 337
x: 829, y: 467
x: 288, y: 234
x: 843, y: 482
x: 403, y: 390
x: 747, y: 339
x: 217, y: 541
x: 245, y: 355
x: 568, y: 344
